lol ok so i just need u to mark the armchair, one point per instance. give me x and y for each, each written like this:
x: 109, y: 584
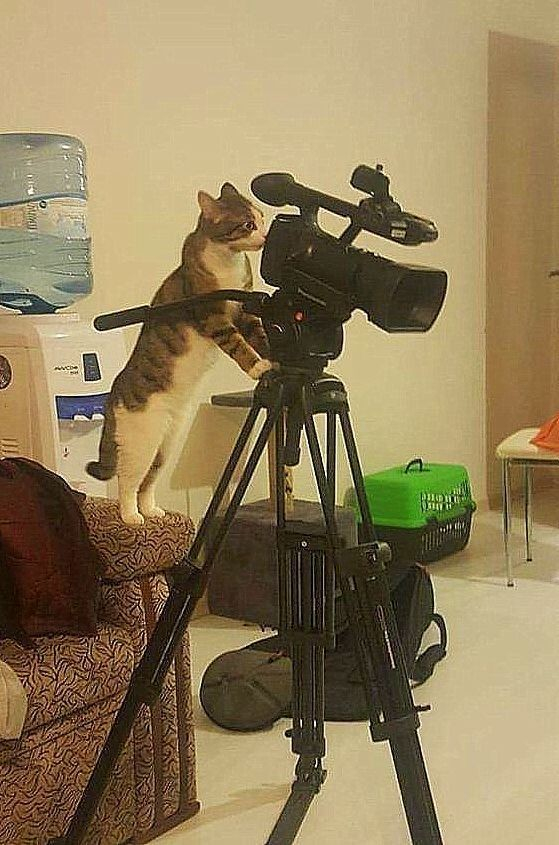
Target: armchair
x: 74, y: 687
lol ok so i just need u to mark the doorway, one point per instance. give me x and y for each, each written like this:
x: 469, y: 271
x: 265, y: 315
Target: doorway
x: 522, y: 243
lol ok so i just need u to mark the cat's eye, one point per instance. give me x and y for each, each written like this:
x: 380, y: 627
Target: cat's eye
x: 250, y: 226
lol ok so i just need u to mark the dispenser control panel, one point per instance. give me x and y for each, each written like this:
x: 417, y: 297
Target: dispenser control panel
x: 91, y: 368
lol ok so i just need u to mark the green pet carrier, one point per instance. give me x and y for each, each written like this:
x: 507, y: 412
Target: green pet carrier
x: 424, y: 511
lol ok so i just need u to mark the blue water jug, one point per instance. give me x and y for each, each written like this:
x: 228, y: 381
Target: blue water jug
x: 45, y: 249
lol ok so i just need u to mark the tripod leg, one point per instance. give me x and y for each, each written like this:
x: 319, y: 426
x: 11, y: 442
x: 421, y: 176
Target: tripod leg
x: 225, y: 480
x: 331, y: 457
x: 378, y: 648
x: 306, y: 627
x: 189, y: 582
x: 356, y: 474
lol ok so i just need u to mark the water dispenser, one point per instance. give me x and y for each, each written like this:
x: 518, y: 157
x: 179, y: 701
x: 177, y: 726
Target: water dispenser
x: 56, y: 371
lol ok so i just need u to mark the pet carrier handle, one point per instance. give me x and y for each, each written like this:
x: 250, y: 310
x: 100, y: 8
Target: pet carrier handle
x: 415, y: 461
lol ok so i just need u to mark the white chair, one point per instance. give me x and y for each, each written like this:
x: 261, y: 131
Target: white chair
x: 517, y: 450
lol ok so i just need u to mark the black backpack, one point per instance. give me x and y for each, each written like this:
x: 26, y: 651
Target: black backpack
x: 250, y: 688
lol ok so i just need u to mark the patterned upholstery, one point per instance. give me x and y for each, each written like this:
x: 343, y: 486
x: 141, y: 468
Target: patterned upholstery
x: 75, y: 686
x: 85, y: 670
x: 42, y: 782
x: 131, y: 550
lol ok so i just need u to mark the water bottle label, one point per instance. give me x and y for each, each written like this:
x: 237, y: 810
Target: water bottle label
x: 63, y: 217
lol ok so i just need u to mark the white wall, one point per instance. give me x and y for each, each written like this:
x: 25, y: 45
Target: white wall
x: 171, y: 96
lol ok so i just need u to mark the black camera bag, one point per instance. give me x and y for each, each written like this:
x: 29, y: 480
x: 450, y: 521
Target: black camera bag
x: 250, y: 688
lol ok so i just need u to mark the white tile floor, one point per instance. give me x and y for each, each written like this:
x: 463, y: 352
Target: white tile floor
x: 491, y: 741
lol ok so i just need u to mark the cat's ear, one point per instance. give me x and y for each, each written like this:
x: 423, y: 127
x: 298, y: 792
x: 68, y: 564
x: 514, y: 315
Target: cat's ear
x: 209, y: 207
x: 228, y: 191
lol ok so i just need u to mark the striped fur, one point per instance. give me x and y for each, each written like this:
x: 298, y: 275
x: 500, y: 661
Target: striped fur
x: 149, y: 398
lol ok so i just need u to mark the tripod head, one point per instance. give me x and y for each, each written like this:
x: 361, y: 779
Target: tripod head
x: 301, y: 334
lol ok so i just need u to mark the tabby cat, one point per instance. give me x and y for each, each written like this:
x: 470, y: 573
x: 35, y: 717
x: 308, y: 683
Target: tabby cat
x: 149, y: 398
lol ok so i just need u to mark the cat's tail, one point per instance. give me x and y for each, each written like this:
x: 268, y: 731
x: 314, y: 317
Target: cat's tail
x: 105, y: 467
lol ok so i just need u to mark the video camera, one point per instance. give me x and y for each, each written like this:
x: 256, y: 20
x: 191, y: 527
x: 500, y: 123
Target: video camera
x: 303, y: 259
x: 321, y: 279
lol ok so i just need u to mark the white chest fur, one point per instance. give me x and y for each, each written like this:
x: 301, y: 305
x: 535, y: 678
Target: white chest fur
x: 228, y: 267
x: 190, y: 367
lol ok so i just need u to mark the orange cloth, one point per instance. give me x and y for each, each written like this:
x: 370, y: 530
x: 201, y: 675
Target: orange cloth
x: 548, y: 435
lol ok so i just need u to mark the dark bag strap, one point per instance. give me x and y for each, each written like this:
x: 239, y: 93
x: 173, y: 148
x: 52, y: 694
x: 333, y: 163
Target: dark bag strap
x: 424, y: 665
x: 414, y: 606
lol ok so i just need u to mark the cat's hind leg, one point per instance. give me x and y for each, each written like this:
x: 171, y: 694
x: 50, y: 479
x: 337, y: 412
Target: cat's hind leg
x: 146, y: 493
x: 138, y: 435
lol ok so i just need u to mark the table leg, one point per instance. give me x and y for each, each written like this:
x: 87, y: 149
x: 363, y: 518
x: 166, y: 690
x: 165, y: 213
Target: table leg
x: 528, y: 521
x: 507, y: 519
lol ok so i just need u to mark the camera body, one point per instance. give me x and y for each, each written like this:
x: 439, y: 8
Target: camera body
x: 330, y: 276
x: 336, y: 278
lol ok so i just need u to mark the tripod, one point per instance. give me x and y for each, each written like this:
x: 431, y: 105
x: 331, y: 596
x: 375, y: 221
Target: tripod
x: 291, y: 397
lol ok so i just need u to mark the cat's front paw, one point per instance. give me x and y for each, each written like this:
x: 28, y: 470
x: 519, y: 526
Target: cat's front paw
x: 260, y: 368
